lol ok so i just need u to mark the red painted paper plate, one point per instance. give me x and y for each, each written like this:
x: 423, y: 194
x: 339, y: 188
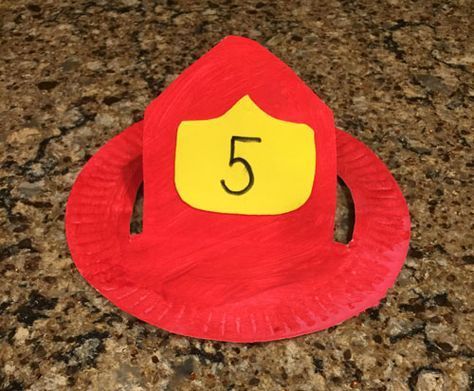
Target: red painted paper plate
x: 239, y: 161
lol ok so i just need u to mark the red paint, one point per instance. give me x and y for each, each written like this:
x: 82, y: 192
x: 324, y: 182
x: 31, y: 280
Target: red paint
x: 234, y: 277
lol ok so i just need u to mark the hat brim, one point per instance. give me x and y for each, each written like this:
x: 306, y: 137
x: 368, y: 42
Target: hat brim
x: 98, y: 231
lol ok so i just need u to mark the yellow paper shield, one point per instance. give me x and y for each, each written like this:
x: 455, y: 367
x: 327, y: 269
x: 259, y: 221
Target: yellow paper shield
x: 245, y: 162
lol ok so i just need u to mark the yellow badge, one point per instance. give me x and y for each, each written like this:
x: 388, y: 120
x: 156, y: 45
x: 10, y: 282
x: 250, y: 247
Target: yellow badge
x: 245, y: 162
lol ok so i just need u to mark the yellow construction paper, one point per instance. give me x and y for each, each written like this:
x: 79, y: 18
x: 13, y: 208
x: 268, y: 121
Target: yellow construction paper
x: 245, y: 162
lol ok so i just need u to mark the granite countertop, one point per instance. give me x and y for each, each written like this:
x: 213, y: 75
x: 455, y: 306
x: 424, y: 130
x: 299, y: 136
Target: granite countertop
x: 398, y: 76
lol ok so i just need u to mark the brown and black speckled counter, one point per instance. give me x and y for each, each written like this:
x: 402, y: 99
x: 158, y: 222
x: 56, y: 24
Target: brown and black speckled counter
x: 398, y: 76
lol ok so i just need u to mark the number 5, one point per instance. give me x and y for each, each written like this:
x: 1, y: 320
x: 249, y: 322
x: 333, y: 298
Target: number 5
x: 245, y: 163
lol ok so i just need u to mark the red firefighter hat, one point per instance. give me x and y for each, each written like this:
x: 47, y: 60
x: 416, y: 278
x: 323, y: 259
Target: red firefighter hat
x: 239, y: 161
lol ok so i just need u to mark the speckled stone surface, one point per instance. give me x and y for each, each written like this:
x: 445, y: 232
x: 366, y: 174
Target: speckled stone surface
x: 397, y: 75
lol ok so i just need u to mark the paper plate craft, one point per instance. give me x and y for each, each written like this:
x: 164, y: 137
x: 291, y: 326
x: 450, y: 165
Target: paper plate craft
x: 239, y: 161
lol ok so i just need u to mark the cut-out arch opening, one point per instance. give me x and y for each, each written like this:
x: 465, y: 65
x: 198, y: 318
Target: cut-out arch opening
x: 345, y: 214
x: 136, y: 221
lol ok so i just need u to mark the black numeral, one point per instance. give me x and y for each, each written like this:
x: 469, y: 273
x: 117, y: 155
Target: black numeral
x: 233, y: 159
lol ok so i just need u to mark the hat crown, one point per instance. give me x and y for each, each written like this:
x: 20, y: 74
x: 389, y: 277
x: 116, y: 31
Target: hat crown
x: 234, y: 69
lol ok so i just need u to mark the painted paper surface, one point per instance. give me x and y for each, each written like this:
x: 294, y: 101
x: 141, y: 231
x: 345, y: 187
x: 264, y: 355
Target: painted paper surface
x: 211, y: 272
